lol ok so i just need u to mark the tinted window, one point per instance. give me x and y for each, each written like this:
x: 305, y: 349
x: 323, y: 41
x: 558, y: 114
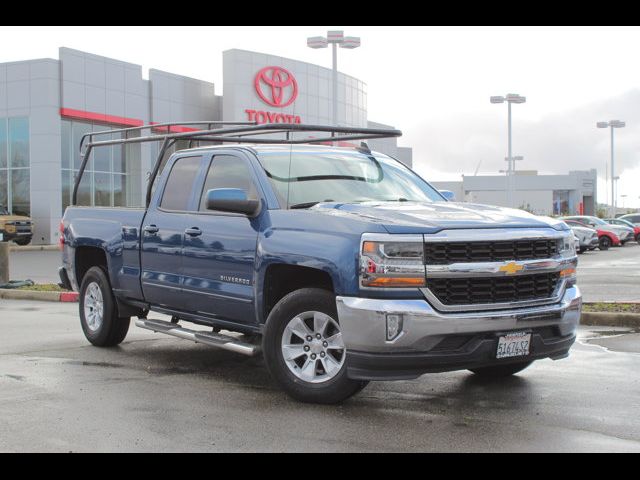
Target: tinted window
x: 180, y: 183
x: 227, y: 171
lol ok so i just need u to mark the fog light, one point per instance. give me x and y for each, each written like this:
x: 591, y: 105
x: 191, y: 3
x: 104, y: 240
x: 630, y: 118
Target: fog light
x: 394, y: 326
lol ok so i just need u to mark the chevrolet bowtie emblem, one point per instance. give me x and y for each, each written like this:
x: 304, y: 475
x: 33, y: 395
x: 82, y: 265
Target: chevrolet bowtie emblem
x: 511, y: 268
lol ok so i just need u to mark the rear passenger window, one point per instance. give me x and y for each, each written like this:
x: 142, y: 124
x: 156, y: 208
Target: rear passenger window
x: 180, y: 184
x: 227, y: 171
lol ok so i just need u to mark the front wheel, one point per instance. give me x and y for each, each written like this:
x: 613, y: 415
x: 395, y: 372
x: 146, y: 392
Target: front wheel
x: 23, y: 241
x: 304, y: 350
x: 98, y: 311
x: 501, y: 371
x: 604, y: 243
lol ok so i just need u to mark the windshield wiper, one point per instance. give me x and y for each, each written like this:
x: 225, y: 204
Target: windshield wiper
x: 303, y: 205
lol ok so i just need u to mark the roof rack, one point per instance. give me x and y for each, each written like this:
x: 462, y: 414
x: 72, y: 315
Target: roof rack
x: 230, y: 132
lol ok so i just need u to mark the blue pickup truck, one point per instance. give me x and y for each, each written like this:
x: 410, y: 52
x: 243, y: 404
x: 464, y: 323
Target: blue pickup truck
x: 338, y: 264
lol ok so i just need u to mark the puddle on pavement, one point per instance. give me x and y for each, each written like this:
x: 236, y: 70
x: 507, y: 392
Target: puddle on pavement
x: 609, y: 333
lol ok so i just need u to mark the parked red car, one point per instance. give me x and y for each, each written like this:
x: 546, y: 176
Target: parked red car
x: 605, y: 239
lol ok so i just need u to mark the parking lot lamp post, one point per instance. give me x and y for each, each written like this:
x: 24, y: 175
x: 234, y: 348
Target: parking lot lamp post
x: 509, y: 98
x: 612, y: 124
x: 337, y: 39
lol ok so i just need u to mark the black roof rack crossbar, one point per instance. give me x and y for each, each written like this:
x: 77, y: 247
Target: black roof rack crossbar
x: 227, y: 132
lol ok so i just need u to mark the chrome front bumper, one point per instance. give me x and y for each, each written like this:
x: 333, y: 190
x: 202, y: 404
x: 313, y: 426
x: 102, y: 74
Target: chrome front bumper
x: 363, y: 322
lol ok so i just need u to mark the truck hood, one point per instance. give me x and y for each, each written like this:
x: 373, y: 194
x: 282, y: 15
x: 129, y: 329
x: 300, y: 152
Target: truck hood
x: 413, y: 217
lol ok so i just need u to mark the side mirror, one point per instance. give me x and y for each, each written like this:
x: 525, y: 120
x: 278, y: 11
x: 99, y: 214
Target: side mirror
x: 233, y: 200
x: 448, y: 194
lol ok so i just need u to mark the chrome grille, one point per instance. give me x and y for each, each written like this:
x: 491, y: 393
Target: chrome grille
x: 443, y: 253
x: 486, y: 290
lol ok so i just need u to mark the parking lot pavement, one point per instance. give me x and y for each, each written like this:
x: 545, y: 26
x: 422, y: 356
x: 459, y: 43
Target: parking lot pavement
x: 157, y: 393
x: 610, y: 276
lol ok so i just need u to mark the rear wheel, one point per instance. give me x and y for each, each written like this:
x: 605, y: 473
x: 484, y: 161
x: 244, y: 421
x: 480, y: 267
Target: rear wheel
x: 501, y: 371
x: 98, y: 312
x: 582, y: 249
x: 604, y: 243
x: 304, y: 350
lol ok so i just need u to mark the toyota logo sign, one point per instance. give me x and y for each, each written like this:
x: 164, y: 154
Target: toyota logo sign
x: 276, y: 86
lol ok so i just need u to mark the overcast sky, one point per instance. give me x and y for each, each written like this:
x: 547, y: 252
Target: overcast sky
x: 433, y: 83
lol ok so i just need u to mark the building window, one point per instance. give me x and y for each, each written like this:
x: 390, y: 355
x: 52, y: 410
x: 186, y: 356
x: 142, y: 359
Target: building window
x: 14, y: 165
x: 111, y: 178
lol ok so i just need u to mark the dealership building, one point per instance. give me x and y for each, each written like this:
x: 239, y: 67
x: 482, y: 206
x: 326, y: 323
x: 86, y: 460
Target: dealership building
x: 47, y: 105
x: 572, y: 194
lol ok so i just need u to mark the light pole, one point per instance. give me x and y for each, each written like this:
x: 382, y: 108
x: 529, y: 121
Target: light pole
x: 612, y: 124
x: 335, y: 38
x: 509, y: 98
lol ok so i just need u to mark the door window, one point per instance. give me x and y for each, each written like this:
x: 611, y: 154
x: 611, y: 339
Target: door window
x: 227, y: 171
x: 179, y: 187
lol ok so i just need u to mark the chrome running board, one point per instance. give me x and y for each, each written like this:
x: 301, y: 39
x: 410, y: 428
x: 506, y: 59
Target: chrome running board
x: 225, y: 342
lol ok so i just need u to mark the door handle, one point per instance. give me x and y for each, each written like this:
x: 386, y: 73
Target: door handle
x: 193, y: 232
x: 151, y: 229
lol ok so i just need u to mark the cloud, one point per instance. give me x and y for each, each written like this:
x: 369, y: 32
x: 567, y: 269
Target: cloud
x: 555, y: 143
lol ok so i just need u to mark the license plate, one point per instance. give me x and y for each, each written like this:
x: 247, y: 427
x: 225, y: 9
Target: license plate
x: 514, y: 345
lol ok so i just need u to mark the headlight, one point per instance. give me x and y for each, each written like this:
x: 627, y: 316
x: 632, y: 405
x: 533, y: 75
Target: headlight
x: 567, y: 246
x: 392, y: 264
x: 567, y: 249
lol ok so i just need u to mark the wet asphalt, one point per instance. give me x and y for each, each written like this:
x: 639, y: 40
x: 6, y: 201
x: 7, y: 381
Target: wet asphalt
x: 157, y: 393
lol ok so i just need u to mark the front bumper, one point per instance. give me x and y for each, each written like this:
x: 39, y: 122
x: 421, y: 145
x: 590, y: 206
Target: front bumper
x: 432, y: 341
x: 589, y: 242
x: 15, y: 235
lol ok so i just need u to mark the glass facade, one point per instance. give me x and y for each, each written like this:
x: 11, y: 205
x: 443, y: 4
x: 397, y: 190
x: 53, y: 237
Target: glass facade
x: 14, y: 165
x: 111, y: 178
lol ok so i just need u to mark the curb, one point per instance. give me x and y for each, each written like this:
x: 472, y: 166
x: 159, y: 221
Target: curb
x: 39, y: 296
x: 610, y: 319
x: 33, y: 248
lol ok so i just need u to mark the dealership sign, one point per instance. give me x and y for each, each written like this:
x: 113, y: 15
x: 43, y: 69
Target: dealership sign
x: 277, y: 87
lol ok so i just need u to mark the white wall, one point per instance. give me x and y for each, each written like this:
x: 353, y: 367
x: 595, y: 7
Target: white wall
x: 539, y: 202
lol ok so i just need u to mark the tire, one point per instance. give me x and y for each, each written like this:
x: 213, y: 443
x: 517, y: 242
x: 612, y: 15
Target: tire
x: 98, y: 312
x: 23, y: 241
x: 638, y: 238
x: 604, y: 243
x: 501, y: 371
x: 582, y: 249
x: 309, y: 383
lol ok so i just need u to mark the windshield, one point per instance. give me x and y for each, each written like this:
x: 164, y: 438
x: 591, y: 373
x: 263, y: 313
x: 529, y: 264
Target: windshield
x: 597, y: 221
x: 302, y: 179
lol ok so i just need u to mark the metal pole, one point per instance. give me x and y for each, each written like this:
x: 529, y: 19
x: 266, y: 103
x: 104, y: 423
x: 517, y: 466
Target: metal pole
x: 334, y: 95
x: 4, y: 262
x: 613, y: 198
x: 509, y: 162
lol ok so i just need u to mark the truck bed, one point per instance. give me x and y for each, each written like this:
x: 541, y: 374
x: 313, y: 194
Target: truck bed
x: 117, y: 232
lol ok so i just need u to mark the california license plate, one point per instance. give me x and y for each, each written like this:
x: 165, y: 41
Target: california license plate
x: 514, y: 345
